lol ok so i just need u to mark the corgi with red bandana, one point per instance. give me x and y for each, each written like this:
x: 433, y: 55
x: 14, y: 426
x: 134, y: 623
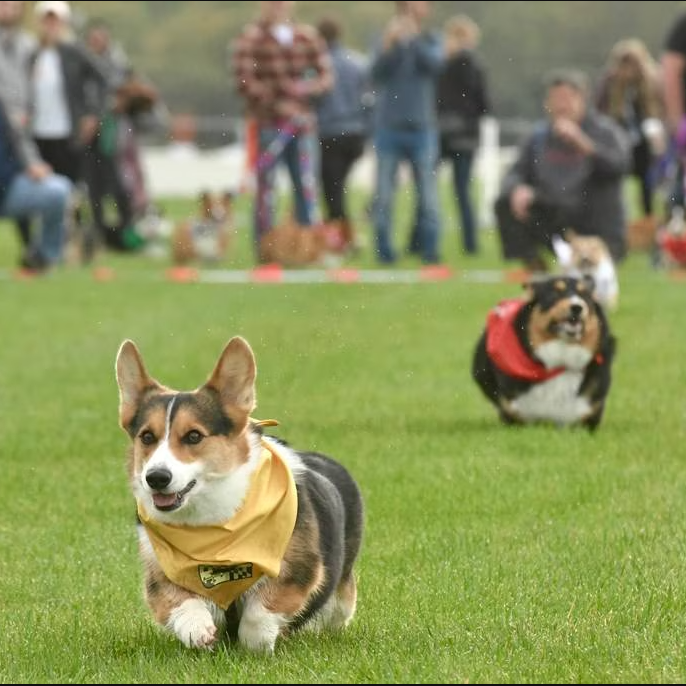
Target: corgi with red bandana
x: 236, y: 530
x: 548, y: 357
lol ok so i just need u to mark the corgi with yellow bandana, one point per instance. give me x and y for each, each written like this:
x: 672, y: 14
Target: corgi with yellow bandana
x: 235, y: 527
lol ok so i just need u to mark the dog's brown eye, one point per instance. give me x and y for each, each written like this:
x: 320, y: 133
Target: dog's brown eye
x: 193, y: 438
x: 148, y: 438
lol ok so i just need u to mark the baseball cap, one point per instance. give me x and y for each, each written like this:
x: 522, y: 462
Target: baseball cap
x: 61, y: 10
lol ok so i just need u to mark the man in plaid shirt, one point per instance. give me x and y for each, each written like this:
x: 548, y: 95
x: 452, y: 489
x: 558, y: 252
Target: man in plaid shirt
x: 280, y: 68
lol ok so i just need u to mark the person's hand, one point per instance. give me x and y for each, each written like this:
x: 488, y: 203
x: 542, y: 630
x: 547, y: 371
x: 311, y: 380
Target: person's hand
x: 521, y: 200
x: 656, y: 135
x: 570, y: 132
x: 297, y: 88
x: 39, y: 171
x: 400, y: 29
x: 88, y: 129
x: 392, y: 34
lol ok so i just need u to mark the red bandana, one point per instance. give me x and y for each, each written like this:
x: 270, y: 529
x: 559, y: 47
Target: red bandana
x: 505, y: 349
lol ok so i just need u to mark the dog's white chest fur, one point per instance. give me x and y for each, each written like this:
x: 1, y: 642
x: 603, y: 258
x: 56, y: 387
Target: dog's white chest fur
x: 557, y: 400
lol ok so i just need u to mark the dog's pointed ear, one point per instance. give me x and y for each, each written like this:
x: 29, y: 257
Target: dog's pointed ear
x: 133, y: 380
x: 234, y: 376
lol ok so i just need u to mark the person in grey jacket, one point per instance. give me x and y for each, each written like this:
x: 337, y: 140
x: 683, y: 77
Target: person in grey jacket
x: 405, y: 73
x: 16, y: 49
x: 569, y: 175
x: 343, y: 123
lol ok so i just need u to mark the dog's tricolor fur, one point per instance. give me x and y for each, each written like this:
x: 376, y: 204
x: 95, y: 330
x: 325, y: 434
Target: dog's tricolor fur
x: 548, y: 358
x: 190, y: 465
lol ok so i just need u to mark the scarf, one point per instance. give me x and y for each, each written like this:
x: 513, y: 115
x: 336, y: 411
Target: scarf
x: 221, y: 562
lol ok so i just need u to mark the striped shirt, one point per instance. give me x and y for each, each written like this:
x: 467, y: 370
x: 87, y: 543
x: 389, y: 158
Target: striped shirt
x: 279, y: 73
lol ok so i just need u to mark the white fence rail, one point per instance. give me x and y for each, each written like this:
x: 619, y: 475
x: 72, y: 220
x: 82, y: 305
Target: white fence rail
x: 184, y: 170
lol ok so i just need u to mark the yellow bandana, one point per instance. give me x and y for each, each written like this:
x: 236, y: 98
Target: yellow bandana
x: 223, y: 561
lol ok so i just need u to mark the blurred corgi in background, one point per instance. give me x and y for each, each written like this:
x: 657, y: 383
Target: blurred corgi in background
x: 588, y: 256
x: 205, y: 238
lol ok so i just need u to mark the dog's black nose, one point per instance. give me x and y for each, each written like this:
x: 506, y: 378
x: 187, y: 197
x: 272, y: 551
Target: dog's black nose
x: 577, y: 311
x: 159, y: 479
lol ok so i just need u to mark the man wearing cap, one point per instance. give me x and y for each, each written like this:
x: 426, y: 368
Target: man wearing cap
x: 68, y: 92
x: 569, y: 175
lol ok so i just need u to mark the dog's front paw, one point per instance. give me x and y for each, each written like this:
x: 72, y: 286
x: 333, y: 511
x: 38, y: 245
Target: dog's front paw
x: 259, y: 629
x: 193, y: 625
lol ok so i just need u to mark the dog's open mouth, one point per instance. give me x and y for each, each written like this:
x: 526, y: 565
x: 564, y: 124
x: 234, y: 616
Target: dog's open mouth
x: 168, y: 502
x: 571, y: 329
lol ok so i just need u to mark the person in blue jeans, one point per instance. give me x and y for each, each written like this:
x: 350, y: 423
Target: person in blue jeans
x: 405, y: 73
x: 281, y: 67
x: 29, y: 188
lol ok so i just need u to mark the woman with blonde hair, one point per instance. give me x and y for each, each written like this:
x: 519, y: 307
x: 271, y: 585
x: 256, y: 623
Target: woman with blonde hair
x: 462, y: 102
x: 630, y: 93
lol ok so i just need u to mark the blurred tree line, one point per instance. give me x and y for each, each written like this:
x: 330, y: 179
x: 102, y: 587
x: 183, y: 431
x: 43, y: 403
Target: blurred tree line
x: 184, y: 46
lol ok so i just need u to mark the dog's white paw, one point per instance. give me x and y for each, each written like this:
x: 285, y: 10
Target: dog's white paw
x: 193, y: 625
x: 259, y: 629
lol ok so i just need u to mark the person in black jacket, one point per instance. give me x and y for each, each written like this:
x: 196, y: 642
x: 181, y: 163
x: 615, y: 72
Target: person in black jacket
x: 68, y: 93
x: 462, y: 101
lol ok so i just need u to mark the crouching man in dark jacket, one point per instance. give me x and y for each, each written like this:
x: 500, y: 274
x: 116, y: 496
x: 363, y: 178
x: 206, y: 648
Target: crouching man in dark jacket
x: 569, y: 175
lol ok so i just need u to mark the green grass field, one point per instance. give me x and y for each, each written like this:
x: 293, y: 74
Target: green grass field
x: 491, y: 554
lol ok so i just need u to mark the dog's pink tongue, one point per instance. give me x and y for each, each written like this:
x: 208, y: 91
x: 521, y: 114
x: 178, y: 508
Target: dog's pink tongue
x: 162, y: 500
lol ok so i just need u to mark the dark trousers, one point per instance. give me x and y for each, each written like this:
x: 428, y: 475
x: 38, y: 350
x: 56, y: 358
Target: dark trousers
x: 642, y: 167
x: 63, y: 156
x: 526, y: 240
x: 338, y: 156
x: 104, y: 180
x: 102, y: 176
x: 463, y: 163
x: 24, y: 231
